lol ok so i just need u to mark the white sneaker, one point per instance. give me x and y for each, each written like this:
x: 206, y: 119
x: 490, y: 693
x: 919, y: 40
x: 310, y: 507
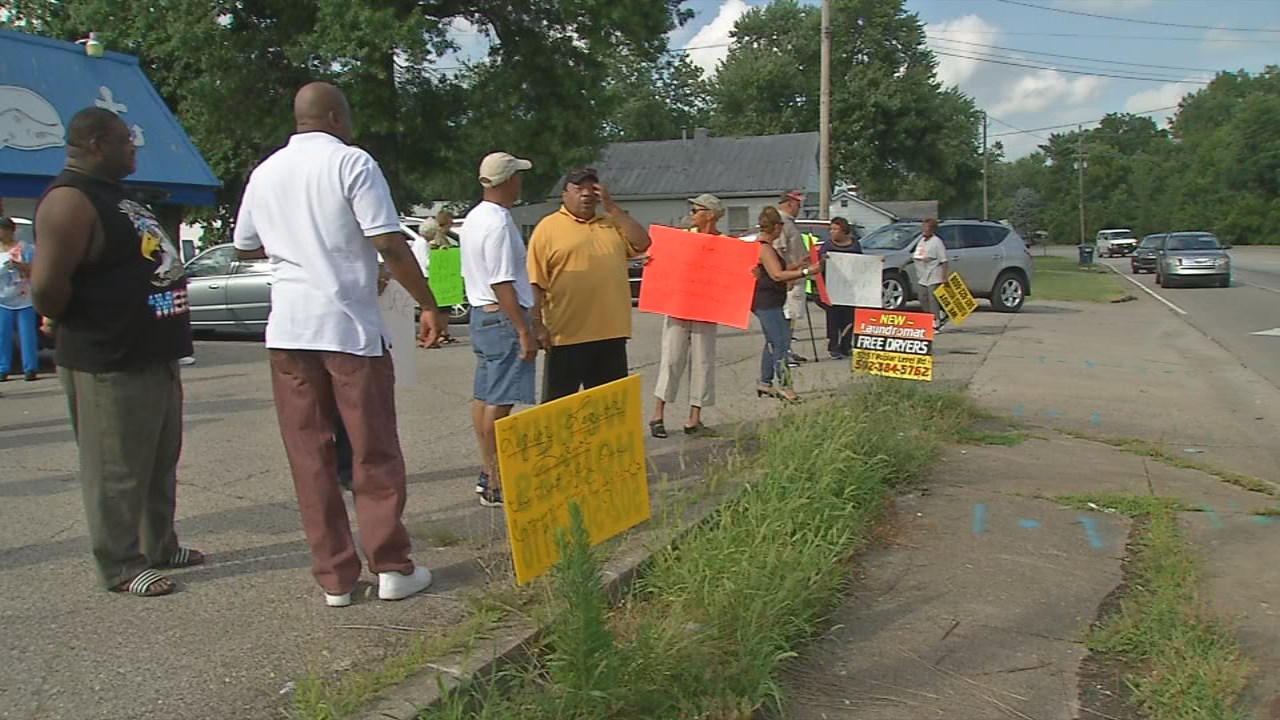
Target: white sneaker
x: 342, y: 600
x: 395, y: 586
x: 188, y: 360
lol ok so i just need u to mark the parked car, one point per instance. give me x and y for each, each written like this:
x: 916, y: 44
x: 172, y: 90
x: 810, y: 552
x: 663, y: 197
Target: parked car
x: 1144, y: 257
x: 1185, y: 257
x: 990, y: 257
x: 1111, y: 243
x: 226, y: 293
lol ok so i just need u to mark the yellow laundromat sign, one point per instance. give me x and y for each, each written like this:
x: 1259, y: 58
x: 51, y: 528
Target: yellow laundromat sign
x: 588, y: 448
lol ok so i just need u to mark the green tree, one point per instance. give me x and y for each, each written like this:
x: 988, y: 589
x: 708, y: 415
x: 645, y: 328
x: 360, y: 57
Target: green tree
x: 229, y: 71
x: 1027, y: 211
x: 895, y: 130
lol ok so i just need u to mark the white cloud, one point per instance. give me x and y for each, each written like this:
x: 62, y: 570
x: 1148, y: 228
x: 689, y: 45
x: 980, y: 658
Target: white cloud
x: 1044, y: 89
x: 967, y: 29
x: 1165, y: 95
x: 716, y: 34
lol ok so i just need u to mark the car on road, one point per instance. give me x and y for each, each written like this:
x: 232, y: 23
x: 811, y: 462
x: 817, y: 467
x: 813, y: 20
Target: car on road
x: 1144, y: 257
x: 1120, y: 241
x: 1185, y: 257
x: 226, y: 293
x: 990, y: 257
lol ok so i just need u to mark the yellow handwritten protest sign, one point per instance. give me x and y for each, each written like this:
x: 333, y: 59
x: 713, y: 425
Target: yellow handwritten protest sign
x: 955, y: 298
x: 586, y: 448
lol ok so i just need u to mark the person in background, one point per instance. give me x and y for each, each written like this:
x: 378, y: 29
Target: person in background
x: 794, y: 255
x: 772, y: 278
x: 578, y: 267
x: 15, y: 303
x: 321, y: 211
x: 680, y: 336
x: 930, y: 258
x: 439, y: 234
x: 840, y: 317
x: 496, y: 275
x: 107, y: 274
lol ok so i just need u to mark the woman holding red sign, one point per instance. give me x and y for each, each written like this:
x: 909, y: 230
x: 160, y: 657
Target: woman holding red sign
x: 770, y: 296
x: 680, y: 336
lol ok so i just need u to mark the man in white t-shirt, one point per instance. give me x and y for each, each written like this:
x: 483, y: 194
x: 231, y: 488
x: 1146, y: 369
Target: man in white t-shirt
x: 930, y: 258
x: 503, y: 338
x: 321, y: 211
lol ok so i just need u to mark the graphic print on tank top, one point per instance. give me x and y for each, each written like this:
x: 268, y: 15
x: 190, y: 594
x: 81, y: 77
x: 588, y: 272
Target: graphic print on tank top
x: 155, y: 246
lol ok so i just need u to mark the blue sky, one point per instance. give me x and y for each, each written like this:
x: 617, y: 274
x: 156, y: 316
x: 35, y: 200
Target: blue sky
x: 1030, y: 98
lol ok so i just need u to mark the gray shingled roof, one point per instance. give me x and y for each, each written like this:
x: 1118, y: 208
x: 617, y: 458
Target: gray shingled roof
x: 910, y: 209
x: 718, y: 165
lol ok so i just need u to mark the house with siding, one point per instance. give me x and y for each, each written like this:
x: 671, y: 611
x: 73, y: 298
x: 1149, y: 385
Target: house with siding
x: 654, y: 180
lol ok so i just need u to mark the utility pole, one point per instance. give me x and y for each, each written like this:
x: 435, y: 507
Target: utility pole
x: 1080, y: 163
x: 824, y: 119
x: 986, y: 205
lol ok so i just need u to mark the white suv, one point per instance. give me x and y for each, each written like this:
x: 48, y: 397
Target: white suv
x: 1111, y: 243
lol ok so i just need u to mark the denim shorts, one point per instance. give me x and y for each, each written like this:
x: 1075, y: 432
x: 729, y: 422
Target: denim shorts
x: 502, y: 378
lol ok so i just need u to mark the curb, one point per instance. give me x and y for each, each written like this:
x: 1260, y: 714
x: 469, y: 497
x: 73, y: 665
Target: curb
x: 513, y: 644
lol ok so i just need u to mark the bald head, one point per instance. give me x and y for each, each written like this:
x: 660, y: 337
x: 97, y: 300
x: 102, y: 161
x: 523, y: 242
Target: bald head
x: 319, y: 106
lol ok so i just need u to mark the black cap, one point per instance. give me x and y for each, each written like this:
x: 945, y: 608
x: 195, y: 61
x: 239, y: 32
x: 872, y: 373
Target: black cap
x: 576, y: 176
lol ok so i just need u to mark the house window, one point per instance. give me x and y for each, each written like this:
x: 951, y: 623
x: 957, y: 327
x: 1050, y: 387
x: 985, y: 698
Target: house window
x: 844, y: 203
x: 739, y: 218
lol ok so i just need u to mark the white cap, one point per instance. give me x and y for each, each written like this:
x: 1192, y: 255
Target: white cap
x: 496, y: 168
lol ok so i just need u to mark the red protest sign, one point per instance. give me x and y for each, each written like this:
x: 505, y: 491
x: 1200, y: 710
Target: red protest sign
x: 693, y: 276
x: 822, y: 281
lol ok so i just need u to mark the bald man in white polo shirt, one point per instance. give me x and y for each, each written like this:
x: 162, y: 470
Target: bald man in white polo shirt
x: 321, y: 211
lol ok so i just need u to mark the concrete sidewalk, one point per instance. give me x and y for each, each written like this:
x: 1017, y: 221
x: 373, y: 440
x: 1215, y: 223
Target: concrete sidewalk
x: 977, y: 605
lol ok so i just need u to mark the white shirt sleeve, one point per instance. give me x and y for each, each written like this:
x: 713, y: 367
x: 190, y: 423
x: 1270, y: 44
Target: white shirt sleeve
x: 245, y: 236
x: 499, y: 254
x: 369, y: 195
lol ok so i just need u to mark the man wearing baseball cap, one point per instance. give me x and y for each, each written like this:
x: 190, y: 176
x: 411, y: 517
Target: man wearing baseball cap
x: 495, y: 272
x: 578, y: 267
x: 680, y: 337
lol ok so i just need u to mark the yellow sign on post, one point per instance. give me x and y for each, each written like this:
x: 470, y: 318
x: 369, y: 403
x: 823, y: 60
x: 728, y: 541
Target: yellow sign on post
x: 955, y: 298
x: 586, y: 448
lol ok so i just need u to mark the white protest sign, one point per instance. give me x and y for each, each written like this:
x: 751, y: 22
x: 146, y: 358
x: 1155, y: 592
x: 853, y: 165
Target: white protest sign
x: 854, y: 280
x: 397, y: 307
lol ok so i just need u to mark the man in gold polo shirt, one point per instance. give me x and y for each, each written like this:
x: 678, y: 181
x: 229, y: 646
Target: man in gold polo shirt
x: 578, y: 268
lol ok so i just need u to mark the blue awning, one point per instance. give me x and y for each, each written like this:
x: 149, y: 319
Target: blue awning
x: 44, y: 82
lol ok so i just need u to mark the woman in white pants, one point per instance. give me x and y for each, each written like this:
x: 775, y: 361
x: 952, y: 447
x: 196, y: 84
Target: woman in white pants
x: 680, y: 338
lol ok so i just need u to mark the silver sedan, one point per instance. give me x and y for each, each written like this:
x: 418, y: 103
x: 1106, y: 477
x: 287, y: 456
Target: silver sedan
x: 1184, y: 257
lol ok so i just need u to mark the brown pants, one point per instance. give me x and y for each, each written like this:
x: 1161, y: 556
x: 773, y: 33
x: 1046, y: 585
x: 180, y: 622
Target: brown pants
x: 307, y: 386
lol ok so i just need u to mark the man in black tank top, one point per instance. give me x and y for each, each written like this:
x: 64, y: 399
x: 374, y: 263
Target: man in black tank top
x: 113, y: 282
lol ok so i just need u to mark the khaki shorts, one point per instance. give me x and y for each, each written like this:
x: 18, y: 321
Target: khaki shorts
x: 794, y: 307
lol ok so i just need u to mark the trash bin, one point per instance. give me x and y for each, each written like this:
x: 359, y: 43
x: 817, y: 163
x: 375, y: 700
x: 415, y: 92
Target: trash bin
x: 1086, y: 254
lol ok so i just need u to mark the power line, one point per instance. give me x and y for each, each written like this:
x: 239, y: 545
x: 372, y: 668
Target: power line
x: 1086, y: 122
x: 1132, y: 20
x: 1161, y: 38
x: 1076, y: 57
x: 1017, y: 130
x: 1131, y: 73
x: 1165, y: 79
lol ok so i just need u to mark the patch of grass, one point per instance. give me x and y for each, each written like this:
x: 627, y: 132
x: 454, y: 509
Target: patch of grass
x: 1268, y: 512
x: 1187, y: 663
x: 702, y: 634
x: 1059, y: 278
x: 1155, y: 451
x: 1125, y: 504
x: 1007, y: 438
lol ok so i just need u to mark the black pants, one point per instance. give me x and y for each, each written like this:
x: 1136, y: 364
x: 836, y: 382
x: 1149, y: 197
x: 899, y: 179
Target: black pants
x: 839, y: 329
x: 570, y: 368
